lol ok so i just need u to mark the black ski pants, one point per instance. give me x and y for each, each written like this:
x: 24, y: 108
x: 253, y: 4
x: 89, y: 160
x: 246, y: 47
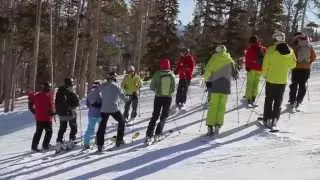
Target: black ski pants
x: 133, y: 99
x: 63, y: 129
x: 298, y: 89
x: 182, y: 91
x: 273, y: 100
x: 40, y: 126
x: 161, y: 107
x: 103, y: 125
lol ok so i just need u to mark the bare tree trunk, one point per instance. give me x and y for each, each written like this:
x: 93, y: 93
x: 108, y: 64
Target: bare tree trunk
x: 36, y: 46
x: 83, y: 76
x: 94, y: 11
x: 51, y: 46
x: 7, y: 83
x: 305, y: 5
x: 76, y: 39
x: 2, y: 59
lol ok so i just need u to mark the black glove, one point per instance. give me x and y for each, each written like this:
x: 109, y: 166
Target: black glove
x: 96, y: 105
x: 51, y: 113
x: 134, y: 94
x: 208, y: 84
x: 247, y: 69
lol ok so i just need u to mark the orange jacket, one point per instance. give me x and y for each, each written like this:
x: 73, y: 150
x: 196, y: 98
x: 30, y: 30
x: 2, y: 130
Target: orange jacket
x: 313, y: 57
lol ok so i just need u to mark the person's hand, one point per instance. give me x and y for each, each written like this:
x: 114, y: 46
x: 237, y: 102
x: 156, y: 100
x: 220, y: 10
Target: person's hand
x: 247, y: 69
x: 208, y: 84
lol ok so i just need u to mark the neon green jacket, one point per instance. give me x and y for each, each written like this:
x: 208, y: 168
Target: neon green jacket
x: 277, y: 66
x: 131, y: 84
x: 163, y: 83
x: 216, y: 62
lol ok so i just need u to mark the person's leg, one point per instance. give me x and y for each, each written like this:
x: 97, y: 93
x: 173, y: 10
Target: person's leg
x: 278, y: 98
x: 248, y: 86
x: 102, y: 129
x: 293, y: 86
x: 62, y: 130
x: 255, y: 85
x: 221, y: 105
x: 48, y: 135
x: 90, y: 130
x: 155, y: 116
x: 179, y: 92
x: 37, y: 135
x: 73, y: 129
x: 184, y: 91
x: 121, y: 127
x: 134, y: 106
x: 212, y: 109
x: 304, y: 76
x: 166, y: 103
x: 127, y: 108
x: 267, y: 113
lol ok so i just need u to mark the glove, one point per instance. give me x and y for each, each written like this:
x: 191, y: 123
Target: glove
x: 134, y: 94
x: 96, y: 105
x: 208, y: 84
x: 247, y: 69
x: 51, y: 113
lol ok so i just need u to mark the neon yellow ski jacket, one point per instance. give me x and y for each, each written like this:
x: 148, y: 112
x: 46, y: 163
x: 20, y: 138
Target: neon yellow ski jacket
x: 216, y: 62
x: 131, y: 84
x: 276, y: 67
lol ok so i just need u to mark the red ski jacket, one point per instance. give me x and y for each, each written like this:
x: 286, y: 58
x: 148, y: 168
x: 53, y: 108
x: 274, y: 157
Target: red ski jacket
x: 185, y: 66
x: 251, y: 57
x: 41, y: 105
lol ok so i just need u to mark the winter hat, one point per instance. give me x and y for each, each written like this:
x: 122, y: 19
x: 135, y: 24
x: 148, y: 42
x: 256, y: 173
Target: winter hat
x: 45, y: 86
x: 299, y: 36
x: 221, y: 48
x: 165, y: 64
x: 95, y: 84
x: 279, y: 36
x: 131, y: 69
x: 68, y: 82
x: 253, y: 39
x: 112, y: 76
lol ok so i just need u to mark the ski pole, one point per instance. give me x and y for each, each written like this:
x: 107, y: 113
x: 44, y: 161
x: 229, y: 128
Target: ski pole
x: 203, y: 112
x: 308, y: 84
x: 80, y: 119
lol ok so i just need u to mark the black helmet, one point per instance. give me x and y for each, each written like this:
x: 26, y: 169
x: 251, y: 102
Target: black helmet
x: 45, y: 86
x: 68, y: 82
x: 112, y: 76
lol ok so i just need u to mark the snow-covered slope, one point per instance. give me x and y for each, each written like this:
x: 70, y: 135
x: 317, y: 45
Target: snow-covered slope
x: 243, y: 152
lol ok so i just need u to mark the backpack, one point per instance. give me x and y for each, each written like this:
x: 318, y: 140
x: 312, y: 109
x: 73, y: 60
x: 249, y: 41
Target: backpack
x: 303, y: 53
x: 165, y: 84
x: 260, y: 56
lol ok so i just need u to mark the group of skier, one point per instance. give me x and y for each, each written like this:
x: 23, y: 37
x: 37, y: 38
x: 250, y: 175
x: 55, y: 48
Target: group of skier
x: 273, y: 63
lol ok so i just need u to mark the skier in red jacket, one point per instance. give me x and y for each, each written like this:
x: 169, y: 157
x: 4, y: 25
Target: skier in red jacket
x: 253, y: 62
x: 184, y: 68
x: 41, y: 105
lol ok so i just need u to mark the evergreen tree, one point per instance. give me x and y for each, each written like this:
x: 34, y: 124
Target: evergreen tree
x: 162, y: 34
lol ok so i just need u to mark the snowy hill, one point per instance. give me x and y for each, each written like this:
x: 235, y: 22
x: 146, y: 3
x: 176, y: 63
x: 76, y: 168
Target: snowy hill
x: 243, y: 152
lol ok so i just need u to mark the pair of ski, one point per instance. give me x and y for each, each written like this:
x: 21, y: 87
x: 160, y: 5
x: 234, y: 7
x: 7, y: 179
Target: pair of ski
x: 272, y: 128
x: 158, y: 139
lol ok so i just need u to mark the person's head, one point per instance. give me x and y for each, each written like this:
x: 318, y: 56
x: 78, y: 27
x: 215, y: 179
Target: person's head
x: 131, y: 69
x: 68, y: 82
x: 112, y: 76
x: 221, y: 48
x: 185, y: 51
x: 95, y: 84
x: 300, y: 38
x: 165, y: 64
x: 279, y: 36
x: 45, y: 86
x: 253, y: 40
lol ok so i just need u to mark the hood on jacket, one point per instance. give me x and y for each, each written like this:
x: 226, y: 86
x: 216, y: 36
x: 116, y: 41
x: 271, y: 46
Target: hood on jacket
x: 165, y: 64
x: 283, y: 49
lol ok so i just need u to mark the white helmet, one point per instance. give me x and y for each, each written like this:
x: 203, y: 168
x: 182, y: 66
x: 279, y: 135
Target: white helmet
x: 221, y: 48
x: 131, y: 68
x: 279, y: 36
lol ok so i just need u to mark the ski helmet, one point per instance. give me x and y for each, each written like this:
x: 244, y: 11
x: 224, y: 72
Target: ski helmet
x: 279, y: 36
x: 112, y: 76
x: 221, y: 48
x: 68, y: 82
x: 131, y: 69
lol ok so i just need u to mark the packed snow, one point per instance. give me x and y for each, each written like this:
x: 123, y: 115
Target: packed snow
x: 244, y: 150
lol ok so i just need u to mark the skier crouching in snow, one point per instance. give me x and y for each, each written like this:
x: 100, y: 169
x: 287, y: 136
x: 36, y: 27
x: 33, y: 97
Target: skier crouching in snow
x: 131, y: 85
x: 66, y: 102
x: 278, y: 62
x: 111, y: 93
x: 41, y: 105
x: 94, y: 103
x: 163, y: 83
x: 219, y: 71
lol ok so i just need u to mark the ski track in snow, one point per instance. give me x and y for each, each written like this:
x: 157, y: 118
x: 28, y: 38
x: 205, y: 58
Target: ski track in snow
x: 244, y: 151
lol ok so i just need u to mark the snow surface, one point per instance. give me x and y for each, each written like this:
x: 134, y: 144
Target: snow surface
x: 244, y: 151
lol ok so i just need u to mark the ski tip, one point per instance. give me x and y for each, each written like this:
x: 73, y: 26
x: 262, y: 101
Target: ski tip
x: 274, y: 131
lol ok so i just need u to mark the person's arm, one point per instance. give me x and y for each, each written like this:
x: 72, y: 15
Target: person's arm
x: 313, y: 55
x: 154, y: 82
x: 31, y: 103
x: 124, y: 81
x: 265, y: 64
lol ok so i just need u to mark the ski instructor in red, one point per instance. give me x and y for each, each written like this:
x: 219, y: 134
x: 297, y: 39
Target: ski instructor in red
x: 184, y: 68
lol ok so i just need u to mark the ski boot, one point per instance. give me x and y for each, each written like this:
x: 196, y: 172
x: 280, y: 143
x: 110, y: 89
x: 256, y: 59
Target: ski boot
x: 100, y: 148
x: 210, y: 131
x: 273, y: 126
x: 60, y: 147
x: 120, y: 143
x: 148, y: 140
x: 35, y: 149
x: 86, y: 147
x: 70, y: 145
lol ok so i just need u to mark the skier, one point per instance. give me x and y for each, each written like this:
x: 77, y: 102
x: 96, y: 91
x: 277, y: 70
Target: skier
x: 131, y: 85
x: 219, y: 71
x: 185, y: 66
x: 163, y: 83
x: 278, y: 61
x: 41, y: 106
x: 253, y: 62
x: 111, y: 93
x: 94, y: 103
x: 66, y: 102
x: 300, y: 74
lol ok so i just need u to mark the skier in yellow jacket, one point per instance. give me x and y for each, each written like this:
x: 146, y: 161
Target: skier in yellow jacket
x: 218, y: 73
x: 278, y: 62
x: 131, y: 85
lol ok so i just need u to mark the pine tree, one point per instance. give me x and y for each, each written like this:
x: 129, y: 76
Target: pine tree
x: 162, y: 34
x: 270, y: 18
